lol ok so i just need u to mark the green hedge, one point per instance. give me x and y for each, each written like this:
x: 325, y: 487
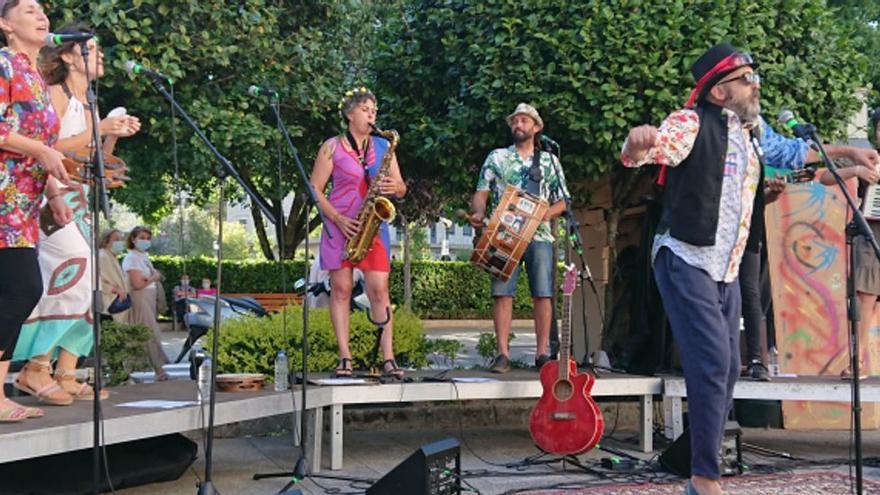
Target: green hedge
x: 123, y: 350
x: 441, y: 289
x: 250, y: 344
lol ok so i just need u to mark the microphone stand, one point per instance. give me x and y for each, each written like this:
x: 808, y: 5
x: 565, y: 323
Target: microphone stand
x: 300, y: 470
x: 857, y: 227
x: 224, y: 170
x: 99, y: 204
x: 584, y: 274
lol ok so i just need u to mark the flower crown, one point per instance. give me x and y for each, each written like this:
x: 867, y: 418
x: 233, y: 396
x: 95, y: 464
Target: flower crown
x: 352, y: 94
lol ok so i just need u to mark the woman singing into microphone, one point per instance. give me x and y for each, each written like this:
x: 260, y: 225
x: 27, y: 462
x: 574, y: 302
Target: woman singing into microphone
x: 28, y: 128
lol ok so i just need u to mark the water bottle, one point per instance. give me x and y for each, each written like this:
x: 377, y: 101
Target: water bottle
x: 204, y: 379
x: 281, y: 372
x: 774, y: 361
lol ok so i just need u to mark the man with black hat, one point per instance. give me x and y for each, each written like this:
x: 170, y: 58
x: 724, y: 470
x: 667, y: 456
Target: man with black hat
x: 525, y: 166
x: 712, y: 190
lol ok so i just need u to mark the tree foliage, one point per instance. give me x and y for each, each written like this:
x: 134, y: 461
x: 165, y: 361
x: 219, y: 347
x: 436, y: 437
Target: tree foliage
x: 214, y: 49
x: 451, y: 70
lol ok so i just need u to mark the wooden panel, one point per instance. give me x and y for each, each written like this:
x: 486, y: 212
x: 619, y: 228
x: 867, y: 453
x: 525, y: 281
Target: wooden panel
x: 808, y: 265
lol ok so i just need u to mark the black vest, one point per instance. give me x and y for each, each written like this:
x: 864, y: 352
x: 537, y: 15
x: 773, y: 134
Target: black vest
x: 693, y: 188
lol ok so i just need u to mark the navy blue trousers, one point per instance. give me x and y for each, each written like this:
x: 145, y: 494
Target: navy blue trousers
x: 704, y: 315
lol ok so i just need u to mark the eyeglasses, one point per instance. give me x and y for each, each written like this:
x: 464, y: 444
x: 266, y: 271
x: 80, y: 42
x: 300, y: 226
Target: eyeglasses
x: 747, y: 77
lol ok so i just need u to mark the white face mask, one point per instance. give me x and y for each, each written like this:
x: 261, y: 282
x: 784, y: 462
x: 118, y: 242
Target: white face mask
x: 142, y: 244
x: 206, y: 285
x: 117, y: 247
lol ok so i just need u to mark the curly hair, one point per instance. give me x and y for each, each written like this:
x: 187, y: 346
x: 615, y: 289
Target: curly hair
x: 52, y: 66
x: 353, y: 98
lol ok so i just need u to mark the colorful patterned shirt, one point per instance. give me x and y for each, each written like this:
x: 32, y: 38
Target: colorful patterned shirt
x: 24, y: 109
x: 676, y: 138
x: 505, y: 166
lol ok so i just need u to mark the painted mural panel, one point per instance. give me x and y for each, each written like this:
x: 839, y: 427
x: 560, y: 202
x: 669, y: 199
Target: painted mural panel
x: 808, y: 264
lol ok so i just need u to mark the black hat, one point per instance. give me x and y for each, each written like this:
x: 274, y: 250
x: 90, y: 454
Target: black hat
x: 718, y: 61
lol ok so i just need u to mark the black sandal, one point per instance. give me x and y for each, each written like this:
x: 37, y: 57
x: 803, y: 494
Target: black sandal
x: 344, y: 369
x: 393, y: 371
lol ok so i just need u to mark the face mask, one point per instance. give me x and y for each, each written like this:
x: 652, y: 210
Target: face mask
x: 184, y: 281
x: 206, y: 285
x: 142, y: 244
x: 117, y: 247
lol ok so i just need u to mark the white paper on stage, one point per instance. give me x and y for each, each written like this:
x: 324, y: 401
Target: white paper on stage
x: 342, y: 381
x: 473, y: 379
x: 158, y: 404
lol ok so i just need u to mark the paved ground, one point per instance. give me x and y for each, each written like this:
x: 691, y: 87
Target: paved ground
x: 485, y: 452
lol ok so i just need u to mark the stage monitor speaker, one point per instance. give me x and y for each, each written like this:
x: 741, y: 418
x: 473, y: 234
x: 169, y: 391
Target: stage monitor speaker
x: 135, y: 463
x: 434, y: 469
x: 677, y: 457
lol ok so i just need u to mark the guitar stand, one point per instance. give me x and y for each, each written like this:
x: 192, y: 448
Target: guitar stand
x: 565, y: 460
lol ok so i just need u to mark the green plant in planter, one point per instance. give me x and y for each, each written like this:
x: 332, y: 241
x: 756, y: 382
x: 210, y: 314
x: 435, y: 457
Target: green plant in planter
x: 123, y: 350
x: 250, y: 344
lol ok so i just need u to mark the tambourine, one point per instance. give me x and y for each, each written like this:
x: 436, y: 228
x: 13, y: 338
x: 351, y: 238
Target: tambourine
x: 75, y: 162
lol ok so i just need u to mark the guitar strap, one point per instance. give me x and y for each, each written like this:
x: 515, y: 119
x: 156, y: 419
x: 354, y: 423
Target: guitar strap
x: 534, y: 184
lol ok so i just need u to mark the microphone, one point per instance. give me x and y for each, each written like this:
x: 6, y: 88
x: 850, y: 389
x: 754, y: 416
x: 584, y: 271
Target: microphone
x: 803, y: 131
x: 135, y: 69
x: 255, y: 90
x: 547, y: 141
x: 53, y: 40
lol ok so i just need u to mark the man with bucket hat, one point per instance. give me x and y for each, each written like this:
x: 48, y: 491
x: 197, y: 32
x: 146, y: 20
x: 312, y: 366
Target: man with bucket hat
x: 525, y: 166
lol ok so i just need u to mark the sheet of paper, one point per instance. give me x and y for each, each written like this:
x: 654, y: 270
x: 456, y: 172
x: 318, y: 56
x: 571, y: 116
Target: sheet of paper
x: 473, y: 379
x: 158, y: 404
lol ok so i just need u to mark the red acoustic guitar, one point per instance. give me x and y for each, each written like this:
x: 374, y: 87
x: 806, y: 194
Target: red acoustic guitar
x: 566, y: 420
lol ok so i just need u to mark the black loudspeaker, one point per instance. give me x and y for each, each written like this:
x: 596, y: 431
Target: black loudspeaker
x: 434, y: 469
x: 135, y: 463
x: 677, y: 457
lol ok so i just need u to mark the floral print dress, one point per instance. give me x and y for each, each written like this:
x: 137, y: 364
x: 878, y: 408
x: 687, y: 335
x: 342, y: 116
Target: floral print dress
x: 24, y: 109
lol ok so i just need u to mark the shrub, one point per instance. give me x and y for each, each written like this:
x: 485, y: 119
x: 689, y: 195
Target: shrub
x: 449, y: 349
x: 123, y: 350
x: 487, y: 345
x: 441, y: 289
x: 250, y: 344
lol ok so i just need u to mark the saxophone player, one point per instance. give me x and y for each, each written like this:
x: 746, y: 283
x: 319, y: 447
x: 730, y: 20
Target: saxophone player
x: 353, y: 162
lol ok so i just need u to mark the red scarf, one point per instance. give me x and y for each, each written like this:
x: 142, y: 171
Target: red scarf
x: 727, y: 64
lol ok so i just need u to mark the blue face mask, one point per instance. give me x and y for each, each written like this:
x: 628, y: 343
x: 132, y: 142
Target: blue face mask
x: 117, y: 247
x: 142, y: 244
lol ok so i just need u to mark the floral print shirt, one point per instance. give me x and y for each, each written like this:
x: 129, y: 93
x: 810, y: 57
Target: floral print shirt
x: 24, y: 109
x: 676, y: 137
x: 505, y: 166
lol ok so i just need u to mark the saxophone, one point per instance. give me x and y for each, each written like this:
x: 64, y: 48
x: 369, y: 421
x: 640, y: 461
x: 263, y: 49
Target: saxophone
x: 376, y: 208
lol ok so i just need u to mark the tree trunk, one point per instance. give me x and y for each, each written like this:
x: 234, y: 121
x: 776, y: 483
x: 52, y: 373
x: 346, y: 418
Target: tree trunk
x: 262, y: 237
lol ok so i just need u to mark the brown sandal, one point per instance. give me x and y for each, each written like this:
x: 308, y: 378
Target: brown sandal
x: 343, y: 370
x: 51, y: 394
x: 77, y: 390
x: 391, y: 370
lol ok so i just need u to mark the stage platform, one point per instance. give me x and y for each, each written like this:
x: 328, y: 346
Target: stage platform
x: 69, y: 428
x: 811, y: 388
